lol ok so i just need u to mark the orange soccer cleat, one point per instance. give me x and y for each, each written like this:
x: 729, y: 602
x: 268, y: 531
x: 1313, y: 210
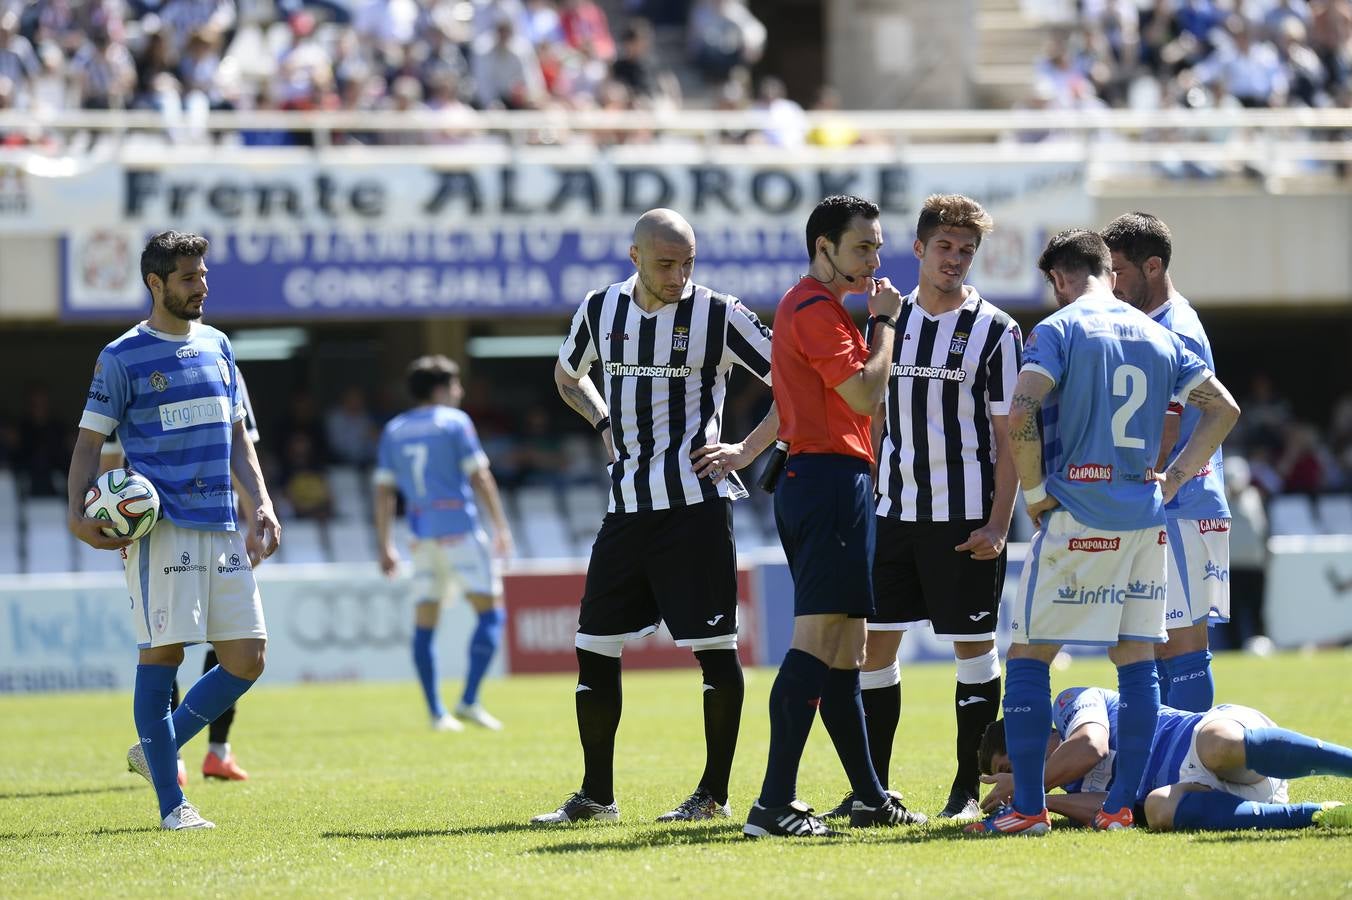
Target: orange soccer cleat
x: 225, y: 769
x: 1104, y: 821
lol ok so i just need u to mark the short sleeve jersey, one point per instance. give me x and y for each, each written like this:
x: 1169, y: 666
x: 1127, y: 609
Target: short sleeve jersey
x: 173, y: 401
x: 1114, y: 372
x: 817, y: 347
x: 429, y: 453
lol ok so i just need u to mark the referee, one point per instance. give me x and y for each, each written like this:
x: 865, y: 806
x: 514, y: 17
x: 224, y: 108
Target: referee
x: 946, y: 485
x: 826, y: 383
x: 665, y: 550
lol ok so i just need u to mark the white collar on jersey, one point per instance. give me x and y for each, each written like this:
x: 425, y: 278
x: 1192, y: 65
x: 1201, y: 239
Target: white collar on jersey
x: 627, y: 287
x: 1158, y: 312
x: 166, y: 336
x: 969, y: 302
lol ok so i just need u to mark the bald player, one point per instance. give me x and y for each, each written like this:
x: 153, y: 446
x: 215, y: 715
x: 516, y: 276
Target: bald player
x: 665, y: 552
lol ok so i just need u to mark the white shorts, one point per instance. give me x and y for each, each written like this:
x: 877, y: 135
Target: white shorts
x: 462, y: 561
x: 1199, y: 571
x: 188, y: 586
x: 1266, y: 790
x: 1083, y: 585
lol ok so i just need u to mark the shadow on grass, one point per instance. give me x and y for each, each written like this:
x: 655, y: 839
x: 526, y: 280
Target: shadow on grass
x: 71, y: 792
x: 96, y: 832
x: 1251, y: 835
x: 399, y: 834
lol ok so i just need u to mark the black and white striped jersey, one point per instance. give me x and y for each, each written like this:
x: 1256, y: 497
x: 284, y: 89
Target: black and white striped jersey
x: 664, y: 376
x: 950, y: 374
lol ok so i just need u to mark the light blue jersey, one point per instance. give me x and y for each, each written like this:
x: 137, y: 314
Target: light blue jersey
x: 1114, y: 372
x: 1173, y: 736
x: 429, y: 453
x: 1202, y: 497
x: 173, y: 401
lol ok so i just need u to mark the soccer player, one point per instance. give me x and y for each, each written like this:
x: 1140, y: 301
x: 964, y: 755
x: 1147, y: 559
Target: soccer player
x: 432, y: 455
x: 946, y: 486
x: 220, y: 760
x: 1099, y: 375
x: 665, y: 550
x: 1198, y: 518
x: 827, y: 381
x: 1226, y: 767
x: 168, y: 387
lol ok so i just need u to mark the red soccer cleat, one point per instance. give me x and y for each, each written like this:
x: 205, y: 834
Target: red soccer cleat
x: 225, y: 769
x: 182, y: 773
x: 1104, y: 821
x: 1011, y: 821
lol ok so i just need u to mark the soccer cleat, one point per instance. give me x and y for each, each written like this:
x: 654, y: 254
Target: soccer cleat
x: 224, y: 769
x: 184, y: 817
x: 1011, y: 821
x: 1334, y: 815
x: 136, y: 761
x: 794, y: 820
x: 182, y: 773
x: 477, y: 715
x: 842, y: 809
x: 890, y: 813
x: 697, y: 807
x: 578, y: 808
x: 446, y: 722
x: 1104, y: 821
x: 962, y: 807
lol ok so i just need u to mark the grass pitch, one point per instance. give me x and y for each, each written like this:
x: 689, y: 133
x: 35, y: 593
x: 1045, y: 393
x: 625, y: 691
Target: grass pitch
x: 352, y: 795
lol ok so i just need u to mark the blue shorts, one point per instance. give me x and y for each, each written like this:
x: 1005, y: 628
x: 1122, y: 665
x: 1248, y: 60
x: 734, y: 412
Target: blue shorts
x: 824, y: 512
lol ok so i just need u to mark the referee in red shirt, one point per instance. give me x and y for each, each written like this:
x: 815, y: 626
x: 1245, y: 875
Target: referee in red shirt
x: 827, y: 382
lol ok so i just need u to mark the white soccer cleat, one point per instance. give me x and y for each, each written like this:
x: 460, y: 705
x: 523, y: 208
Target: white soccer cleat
x: 136, y: 761
x: 477, y: 715
x: 446, y: 722
x: 186, y: 816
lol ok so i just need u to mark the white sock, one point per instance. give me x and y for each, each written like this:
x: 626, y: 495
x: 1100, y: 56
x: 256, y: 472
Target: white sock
x: 221, y: 750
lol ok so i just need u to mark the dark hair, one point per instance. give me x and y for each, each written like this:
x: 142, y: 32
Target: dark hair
x: 992, y: 742
x: 832, y: 216
x: 952, y: 211
x: 1075, y: 252
x: 1139, y: 236
x: 427, y: 373
x: 164, y: 250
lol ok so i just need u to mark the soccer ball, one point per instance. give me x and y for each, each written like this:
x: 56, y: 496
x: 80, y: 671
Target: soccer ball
x: 127, y: 501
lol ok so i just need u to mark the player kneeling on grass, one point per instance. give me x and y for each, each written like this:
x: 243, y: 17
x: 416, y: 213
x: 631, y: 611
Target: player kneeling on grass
x: 1222, y: 769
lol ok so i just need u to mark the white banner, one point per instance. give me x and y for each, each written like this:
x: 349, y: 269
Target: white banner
x: 1308, y: 598
x: 74, y: 632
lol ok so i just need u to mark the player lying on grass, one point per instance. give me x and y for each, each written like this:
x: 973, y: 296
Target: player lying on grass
x: 1216, y: 770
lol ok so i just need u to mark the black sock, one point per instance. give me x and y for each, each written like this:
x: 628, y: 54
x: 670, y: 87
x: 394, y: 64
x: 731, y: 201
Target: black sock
x: 723, y: 691
x: 599, y: 700
x: 218, y: 732
x: 794, y: 699
x: 882, y: 712
x: 976, y: 706
x: 842, y: 713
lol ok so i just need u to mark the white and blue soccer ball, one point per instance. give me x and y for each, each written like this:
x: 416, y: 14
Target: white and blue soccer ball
x: 127, y: 501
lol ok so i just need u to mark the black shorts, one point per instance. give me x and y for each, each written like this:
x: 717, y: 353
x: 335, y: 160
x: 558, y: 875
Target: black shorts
x: 918, y: 577
x: 677, y: 566
x: 824, y: 512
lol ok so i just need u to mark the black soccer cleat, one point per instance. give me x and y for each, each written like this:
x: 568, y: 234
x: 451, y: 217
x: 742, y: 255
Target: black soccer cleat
x: 841, y: 809
x: 890, y: 813
x: 794, y: 820
x: 579, y: 808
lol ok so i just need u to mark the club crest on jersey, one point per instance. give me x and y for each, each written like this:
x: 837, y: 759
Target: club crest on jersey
x: 1209, y: 525
x: 958, y: 345
x: 161, y: 620
x: 159, y: 381
x: 680, y: 338
x: 1090, y: 472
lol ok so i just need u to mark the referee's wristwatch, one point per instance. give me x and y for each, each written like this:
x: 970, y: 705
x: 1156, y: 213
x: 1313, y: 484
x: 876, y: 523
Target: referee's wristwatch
x: 886, y: 320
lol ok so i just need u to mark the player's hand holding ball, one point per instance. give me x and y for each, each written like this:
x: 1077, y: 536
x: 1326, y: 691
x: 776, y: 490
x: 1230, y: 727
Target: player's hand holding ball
x: 120, y: 507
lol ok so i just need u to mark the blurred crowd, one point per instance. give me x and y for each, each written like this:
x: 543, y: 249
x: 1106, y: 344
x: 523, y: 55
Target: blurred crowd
x: 1197, y: 54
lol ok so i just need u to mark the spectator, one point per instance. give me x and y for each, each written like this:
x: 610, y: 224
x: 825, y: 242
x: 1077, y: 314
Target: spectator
x: 506, y: 70
x: 303, y: 480
x: 104, y: 71
x: 1301, y: 66
x: 387, y: 21
x: 584, y: 25
x: 1250, y: 68
x: 832, y: 132
x: 788, y: 125
x: 18, y: 63
x: 634, y: 67
x: 44, y: 446
x: 723, y: 34
x: 183, y: 18
x: 1303, y: 464
x: 200, y: 68
x: 351, y: 429
x: 541, y: 23
x: 539, y: 451
x: 305, y: 69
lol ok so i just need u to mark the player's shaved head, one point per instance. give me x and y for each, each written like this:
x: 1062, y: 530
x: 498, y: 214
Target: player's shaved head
x: 662, y: 226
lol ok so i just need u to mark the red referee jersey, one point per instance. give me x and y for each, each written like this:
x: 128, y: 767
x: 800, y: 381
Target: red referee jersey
x: 816, y: 347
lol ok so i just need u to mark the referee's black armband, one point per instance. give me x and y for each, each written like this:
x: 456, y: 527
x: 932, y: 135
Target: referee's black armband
x: 602, y: 425
x: 886, y: 320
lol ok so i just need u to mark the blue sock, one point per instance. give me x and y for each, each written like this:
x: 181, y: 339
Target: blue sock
x: 1028, y: 723
x: 1217, y: 811
x: 482, y: 645
x: 1138, y: 710
x: 794, y: 698
x: 1279, y: 753
x: 1162, y: 676
x: 213, y: 694
x: 425, y: 660
x: 155, y: 728
x: 1191, y: 686
x: 842, y: 710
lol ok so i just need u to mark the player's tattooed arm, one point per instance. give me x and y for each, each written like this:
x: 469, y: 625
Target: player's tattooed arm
x: 1025, y: 435
x: 581, y: 395
x: 1024, y: 427
x: 1220, y: 412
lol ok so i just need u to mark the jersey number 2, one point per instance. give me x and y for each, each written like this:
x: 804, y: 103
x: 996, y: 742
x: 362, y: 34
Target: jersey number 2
x: 417, y: 461
x: 1129, y: 382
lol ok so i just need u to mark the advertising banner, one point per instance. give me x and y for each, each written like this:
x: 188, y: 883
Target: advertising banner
x: 306, y: 239
x: 1309, y: 591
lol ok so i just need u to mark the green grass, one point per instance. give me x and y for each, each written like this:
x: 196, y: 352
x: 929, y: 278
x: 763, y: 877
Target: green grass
x: 351, y: 794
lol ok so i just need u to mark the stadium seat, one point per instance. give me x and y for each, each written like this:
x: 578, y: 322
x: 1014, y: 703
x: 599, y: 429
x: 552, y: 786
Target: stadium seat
x: 9, y: 490
x: 9, y: 552
x: 1292, y: 514
x: 47, y: 547
x: 302, y: 542
x: 544, y: 532
x: 352, y: 540
x: 350, y: 493
x: 584, y: 505
x: 1335, y: 513
x: 88, y: 559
